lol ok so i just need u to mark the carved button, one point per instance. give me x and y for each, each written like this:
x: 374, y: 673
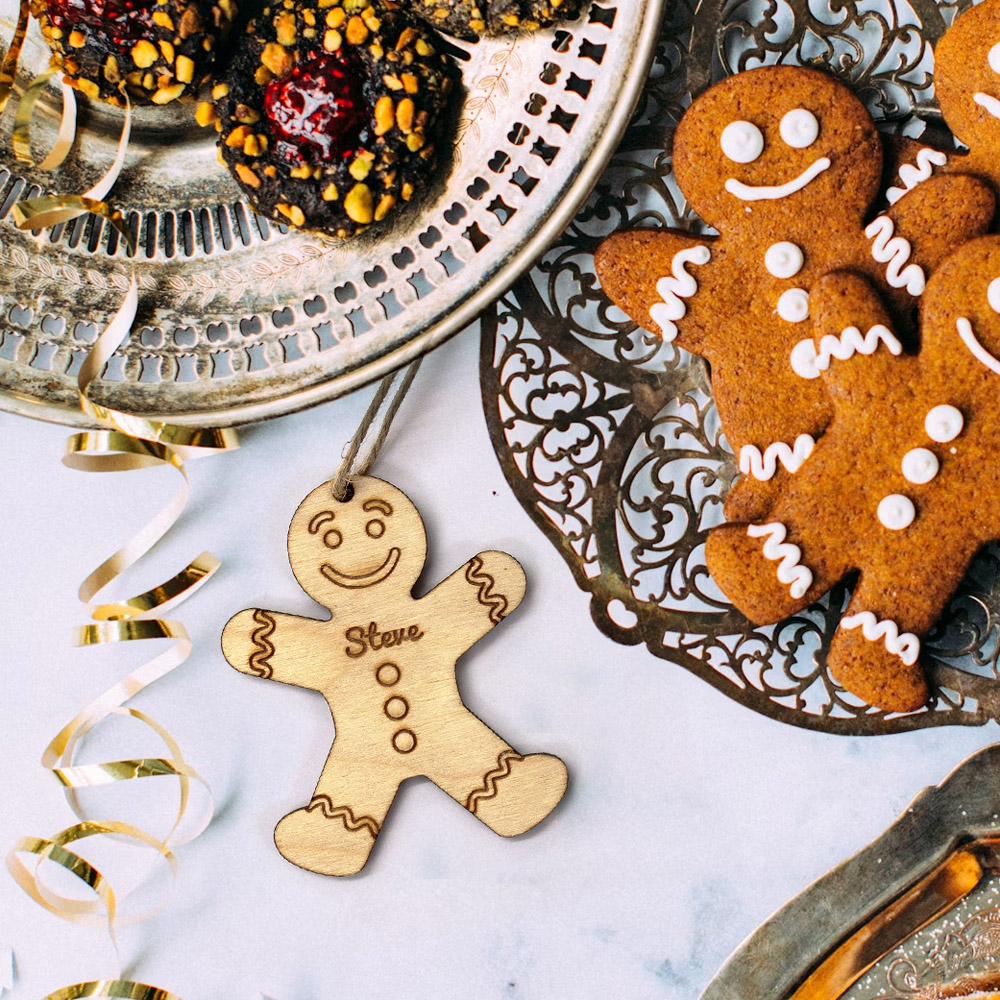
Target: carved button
x: 404, y: 741
x: 387, y: 674
x: 396, y: 708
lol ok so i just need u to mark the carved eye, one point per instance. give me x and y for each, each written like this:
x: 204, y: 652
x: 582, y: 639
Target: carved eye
x: 332, y: 538
x: 994, y: 58
x: 742, y: 142
x: 993, y: 295
x: 799, y: 128
x: 375, y: 529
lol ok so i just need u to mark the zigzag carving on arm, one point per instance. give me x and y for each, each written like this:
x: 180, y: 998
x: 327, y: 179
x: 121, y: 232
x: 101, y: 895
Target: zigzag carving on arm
x: 496, y: 603
x: 260, y: 637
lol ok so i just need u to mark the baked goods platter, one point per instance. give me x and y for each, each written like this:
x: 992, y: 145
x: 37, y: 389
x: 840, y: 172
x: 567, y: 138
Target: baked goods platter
x: 241, y: 317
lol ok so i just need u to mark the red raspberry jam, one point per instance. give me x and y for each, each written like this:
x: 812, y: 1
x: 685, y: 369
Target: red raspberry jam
x: 317, y: 110
x: 120, y: 21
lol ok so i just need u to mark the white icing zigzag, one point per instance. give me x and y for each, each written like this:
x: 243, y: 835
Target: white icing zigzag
x: 673, y: 289
x: 894, y: 252
x: 808, y: 363
x: 905, y: 646
x: 910, y: 176
x: 791, y: 572
x: 753, y: 463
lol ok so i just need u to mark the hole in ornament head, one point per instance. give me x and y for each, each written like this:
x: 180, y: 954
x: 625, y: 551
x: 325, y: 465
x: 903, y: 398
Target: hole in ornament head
x: 621, y: 615
x: 348, y: 493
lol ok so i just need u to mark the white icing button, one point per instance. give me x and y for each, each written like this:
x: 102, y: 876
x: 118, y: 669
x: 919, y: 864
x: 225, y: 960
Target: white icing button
x: 742, y: 142
x: 793, y: 306
x: 896, y: 511
x: 799, y: 128
x: 943, y: 423
x: 920, y: 465
x: 993, y: 295
x: 784, y: 260
x: 994, y: 58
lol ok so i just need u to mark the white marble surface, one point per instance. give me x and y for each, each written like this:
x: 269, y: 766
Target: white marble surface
x: 688, y: 820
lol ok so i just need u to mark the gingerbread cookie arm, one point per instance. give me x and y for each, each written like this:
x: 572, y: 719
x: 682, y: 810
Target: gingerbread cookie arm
x: 853, y: 347
x: 476, y: 598
x: 649, y: 273
x: 276, y: 647
x: 940, y: 214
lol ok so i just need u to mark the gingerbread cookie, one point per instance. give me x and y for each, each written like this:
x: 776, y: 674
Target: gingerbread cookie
x: 159, y: 50
x: 330, y: 111
x: 967, y: 87
x: 901, y: 487
x: 785, y: 163
x: 385, y: 662
x: 471, y: 19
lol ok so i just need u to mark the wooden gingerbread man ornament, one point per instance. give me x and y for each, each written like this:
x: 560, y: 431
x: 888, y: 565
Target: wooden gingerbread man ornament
x: 385, y: 661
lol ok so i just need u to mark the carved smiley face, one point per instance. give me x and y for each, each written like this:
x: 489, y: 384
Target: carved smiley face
x: 330, y: 530
x: 967, y: 78
x: 374, y: 537
x: 779, y: 140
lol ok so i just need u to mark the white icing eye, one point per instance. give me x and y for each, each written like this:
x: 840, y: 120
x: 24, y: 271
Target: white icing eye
x: 783, y: 260
x: 993, y: 295
x: 920, y: 465
x: 994, y: 58
x: 742, y: 142
x: 896, y: 511
x: 793, y: 306
x: 943, y: 423
x: 799, y: 128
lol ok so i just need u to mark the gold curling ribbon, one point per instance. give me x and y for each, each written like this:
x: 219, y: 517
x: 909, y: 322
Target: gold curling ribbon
x: 8, y: 69
x: 124, y: 442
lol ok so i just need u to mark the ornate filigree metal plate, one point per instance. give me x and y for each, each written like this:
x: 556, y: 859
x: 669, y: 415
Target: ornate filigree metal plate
x: 610, y: 439
x: 914, y: 916
x: 240, y: 318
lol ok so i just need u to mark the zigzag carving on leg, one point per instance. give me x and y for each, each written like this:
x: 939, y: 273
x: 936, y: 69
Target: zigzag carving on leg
x: 345, y: 814
x: 489, y: 790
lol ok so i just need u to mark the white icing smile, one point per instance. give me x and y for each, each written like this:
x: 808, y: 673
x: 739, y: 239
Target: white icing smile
x: 991, y: 104
x: 369, y: 579
x: 978, y: 351
x: 765, y: 192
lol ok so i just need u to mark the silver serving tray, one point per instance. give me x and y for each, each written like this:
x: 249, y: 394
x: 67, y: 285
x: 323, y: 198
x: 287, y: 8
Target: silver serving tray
x: 241, y: 319
x: 913, y: 915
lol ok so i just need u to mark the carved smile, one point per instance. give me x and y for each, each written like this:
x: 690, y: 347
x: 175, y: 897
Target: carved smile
x: 362, y: 579
x: 978, y: 351
x: 991, y: 104
x: 766, y: 192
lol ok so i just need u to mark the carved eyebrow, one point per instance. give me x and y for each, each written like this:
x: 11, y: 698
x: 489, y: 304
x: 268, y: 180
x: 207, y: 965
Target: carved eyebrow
x: 319, y: 520
x: 380, y: 505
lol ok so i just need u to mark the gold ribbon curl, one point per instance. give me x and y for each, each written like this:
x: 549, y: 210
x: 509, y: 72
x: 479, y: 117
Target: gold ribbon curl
x: 123, y: 442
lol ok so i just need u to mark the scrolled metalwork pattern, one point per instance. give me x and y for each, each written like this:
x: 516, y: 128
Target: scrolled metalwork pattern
x: 610, y: 438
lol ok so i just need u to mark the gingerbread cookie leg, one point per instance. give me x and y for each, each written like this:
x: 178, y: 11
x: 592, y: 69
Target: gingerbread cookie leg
x: 335, y: 833
x: 509, y: 792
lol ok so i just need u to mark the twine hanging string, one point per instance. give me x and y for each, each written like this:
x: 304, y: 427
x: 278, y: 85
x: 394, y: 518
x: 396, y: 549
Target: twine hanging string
x: 393, y: 388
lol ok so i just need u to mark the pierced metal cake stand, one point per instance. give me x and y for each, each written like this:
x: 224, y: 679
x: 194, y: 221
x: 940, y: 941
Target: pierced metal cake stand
x: 241, y: 319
